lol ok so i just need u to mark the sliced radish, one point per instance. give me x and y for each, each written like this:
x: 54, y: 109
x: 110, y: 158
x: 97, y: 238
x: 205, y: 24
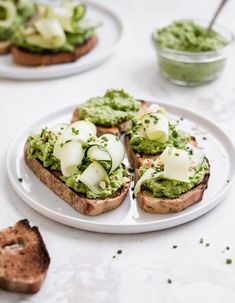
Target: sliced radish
x: 92, y: 176
x: 71, y: 156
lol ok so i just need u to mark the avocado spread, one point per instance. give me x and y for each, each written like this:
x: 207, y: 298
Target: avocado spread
x: 190, y: 37
x: 143, y: 145
x: 40, y: 147
x: 114, y: 107
x: 162, y: 187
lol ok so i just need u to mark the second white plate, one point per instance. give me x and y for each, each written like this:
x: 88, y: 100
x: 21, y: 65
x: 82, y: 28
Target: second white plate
x: 109, y: 37
x: 128, y: 218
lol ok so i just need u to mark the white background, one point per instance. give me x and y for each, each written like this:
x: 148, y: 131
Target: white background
x: 82, y: 268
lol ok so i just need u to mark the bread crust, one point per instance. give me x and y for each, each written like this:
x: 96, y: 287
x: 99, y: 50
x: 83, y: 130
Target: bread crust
x: 114, y: 130
x: 24, y: 259
x: 27, y: 58
x: 5, y: 47
x: 83, y: 205
x: 137, y: 160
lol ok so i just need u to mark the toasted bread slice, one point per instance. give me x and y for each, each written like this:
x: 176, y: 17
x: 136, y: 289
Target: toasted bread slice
x: 5, y: 47
x: 24, y: 259
x: 154, y: 205
x: 137, y: 160
x: 27, y: 58
x: 115, y: 130
x: 83, y: 205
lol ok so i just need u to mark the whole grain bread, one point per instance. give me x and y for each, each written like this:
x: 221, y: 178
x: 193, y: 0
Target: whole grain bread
x: 5, y: 47
x: 83, y: 205
x: 115, y: 130
x: 137, y: 160
x: 24, y: 259
x: 27, y: 58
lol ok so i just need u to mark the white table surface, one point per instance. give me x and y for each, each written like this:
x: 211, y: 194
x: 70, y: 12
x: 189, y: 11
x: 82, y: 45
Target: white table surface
x: 82, y: 268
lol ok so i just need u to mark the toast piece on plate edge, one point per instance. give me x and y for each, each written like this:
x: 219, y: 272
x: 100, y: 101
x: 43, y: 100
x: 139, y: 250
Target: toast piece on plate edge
x: 151, y: 204
x: 5, y: 47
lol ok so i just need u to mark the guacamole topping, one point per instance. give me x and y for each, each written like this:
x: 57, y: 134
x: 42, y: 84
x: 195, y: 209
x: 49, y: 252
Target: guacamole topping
x: 114, y: 107
x: 56, y: 29
x: 175, y: 172
x: 162, y: 187
x: 141, y: 143
x: 81, y: 176
x: 41, y: 146
x: 188, y: 36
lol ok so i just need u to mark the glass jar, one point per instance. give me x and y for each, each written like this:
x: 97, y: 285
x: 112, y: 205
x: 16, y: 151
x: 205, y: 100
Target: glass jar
x: 193, y: 68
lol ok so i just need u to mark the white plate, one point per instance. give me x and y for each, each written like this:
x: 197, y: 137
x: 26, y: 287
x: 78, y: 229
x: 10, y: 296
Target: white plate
x: 109, y: 36
x: 128, y: 218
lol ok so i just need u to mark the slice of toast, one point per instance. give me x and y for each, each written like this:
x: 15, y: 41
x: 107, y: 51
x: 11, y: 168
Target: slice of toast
x: 137, y: 160
x: 5, y: 47
x: 24, y: 259
x: 83, y: 205
x: 115, y: 130
x: 150, y: 204
x: 27, y: 58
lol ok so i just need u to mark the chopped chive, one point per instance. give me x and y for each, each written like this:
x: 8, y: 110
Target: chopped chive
x: 207, y: 244
x: 201, y: 241
x: 229, y: 261
x: 20, y: 179
x: 119, y: 252
x: 169, y: 281
x: 174, y: 246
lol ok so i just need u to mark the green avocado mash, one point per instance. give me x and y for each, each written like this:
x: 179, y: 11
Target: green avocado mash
x: 41, y: 147
x: 114, y: 107
x: 114, y: 183
x: 143, y: 145
x: 161, y: 187
x: 190, y: 37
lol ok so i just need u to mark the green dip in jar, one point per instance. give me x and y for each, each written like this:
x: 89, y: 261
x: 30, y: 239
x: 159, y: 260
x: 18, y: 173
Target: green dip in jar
x: 189, y: 54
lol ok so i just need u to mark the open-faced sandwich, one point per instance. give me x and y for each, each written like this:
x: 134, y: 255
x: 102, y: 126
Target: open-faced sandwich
x: 176, y: 180
x: 56, y: 35
x: 110, y: 113
x: 85, y: 171
x: 12, y: 15
x: 150, y: 133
